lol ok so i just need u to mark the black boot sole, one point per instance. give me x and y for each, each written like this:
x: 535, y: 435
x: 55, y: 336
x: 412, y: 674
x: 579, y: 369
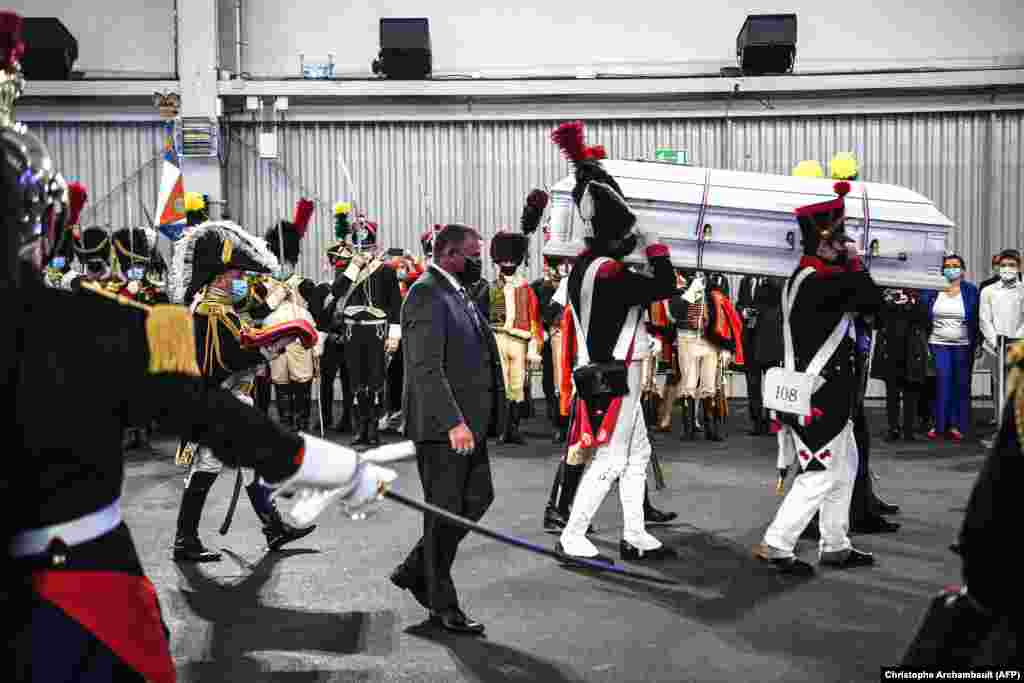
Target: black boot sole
x: 279, y: 541
x: 197, y: 557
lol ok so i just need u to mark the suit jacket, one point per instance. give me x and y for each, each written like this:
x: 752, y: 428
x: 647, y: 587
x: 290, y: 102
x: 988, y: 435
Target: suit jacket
x: 444, y: 382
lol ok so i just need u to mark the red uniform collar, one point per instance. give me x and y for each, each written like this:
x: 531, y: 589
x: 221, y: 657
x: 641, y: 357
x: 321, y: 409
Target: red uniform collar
x: 820, y: 267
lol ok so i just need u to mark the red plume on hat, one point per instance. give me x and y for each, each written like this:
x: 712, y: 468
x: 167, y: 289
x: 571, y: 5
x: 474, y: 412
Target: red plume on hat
x: 569, y: 138
x: 12, y: 47
x: 77, y: 196
x: 303, y: 212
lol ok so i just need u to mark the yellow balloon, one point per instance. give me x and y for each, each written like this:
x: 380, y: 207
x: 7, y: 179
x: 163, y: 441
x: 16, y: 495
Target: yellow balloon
x: 809, y: 168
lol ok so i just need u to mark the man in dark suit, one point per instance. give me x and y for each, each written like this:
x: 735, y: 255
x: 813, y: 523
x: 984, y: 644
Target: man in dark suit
x: 453, y: 391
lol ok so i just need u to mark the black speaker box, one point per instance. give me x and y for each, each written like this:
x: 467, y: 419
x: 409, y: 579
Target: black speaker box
x: 404, y: 49
x: 767, y: 44
x: 50, y: 50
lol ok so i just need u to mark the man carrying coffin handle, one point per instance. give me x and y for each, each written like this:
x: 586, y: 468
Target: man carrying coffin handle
x: 819, y: 301
x: 607, y: 302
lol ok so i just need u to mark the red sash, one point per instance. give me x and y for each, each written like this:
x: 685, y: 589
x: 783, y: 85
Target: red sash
x: 121, y: 610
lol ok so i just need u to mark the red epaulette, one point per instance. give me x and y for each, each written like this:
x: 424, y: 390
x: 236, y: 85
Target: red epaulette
x: 610, y: 270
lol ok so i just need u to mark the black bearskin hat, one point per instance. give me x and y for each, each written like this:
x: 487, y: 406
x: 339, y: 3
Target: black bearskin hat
x: 533, y: 211
x: 597, y: 195
x: 509, y: 247
x: 824, y: 221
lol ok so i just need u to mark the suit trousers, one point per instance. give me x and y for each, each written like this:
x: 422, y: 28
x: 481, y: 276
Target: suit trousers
x: 332, y: 364
x: 901, y: 399
x: 460, y: 484
x: 698, y: 361
x: 512, y: 351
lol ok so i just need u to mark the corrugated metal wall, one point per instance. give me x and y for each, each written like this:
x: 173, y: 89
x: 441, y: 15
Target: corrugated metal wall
x: 118, y: 162
x: 412, y: 174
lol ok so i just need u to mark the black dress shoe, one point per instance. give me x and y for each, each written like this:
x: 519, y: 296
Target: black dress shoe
x: 280, y: 535
x: 627, y: 551
x: 553, y: 521
x: 655, y: 517
x: 192, y: 550
x: 791, y: 566
x: 402, y: 579
x: 456, y: 621
x: 571, y: 559
x: 847, y: 559
x: 875, y: 524
x: 883, y: 508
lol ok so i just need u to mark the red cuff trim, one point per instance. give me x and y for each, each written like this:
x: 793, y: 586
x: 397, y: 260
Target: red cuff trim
x: 300, y: 456
x: 656, y: 250
x: 856, y: 265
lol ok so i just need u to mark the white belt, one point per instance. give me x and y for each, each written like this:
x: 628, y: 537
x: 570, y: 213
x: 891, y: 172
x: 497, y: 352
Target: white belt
x: 372, y: 310
x: 75, y: 532
x: 689, y: 334
x: 366, y: 322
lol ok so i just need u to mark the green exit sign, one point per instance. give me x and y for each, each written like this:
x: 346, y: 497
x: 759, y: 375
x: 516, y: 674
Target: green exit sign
x: 672, y: 156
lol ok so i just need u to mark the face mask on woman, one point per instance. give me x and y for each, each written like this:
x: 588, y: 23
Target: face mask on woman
x: 239, y: 290
x: 1008, y: 273
x: 135, y: 273
x: 58, y: 262
x: 951, y: 274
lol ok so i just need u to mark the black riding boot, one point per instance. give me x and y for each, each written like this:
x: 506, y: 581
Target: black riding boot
x: 376, y: 409
x: 689, y: 427
x: 652, y: 515
x: 712, y: 421
x: 361, y: 419
x: 277, y: 531
x: 285, y: 408
x: 303, y: 393
x: 553, y: 521
x: 187, y: 546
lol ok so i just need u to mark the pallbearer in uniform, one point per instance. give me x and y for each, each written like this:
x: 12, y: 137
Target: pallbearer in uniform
x: 544, y: 289
x: 515, y: 320
x: 370, y: 303
x: 79, y: 603
x: 607, y: 302
x: 828, y: 288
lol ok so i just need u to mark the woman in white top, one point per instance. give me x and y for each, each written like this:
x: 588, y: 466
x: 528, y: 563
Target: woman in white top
x: 952, y: 342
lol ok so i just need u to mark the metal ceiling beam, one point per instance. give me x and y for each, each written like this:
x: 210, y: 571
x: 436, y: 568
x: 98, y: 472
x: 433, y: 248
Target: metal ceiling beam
x: 630, y: 87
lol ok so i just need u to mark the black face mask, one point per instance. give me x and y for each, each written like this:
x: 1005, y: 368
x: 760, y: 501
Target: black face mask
x: 620, y: 249
x: 472, y: 271
x: 508, y: 271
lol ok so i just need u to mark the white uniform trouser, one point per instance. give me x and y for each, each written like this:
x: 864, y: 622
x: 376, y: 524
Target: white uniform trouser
x: 203, y: 460
x: 625, y: 458
x: 829, y: 491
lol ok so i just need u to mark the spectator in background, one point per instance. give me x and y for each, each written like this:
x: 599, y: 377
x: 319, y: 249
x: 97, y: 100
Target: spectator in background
x: 954, y: 337
x: 901, y: 358
x: 994, y: 277
x: 1001, y: 313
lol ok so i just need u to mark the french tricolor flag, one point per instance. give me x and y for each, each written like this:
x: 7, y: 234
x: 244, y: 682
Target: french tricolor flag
x: 170, y: 205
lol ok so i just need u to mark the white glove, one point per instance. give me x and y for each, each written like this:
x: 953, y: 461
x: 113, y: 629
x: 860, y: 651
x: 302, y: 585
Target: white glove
x: 391, y: 345
x: 695, y: 291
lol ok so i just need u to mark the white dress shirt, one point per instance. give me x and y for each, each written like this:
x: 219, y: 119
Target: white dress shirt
x: 1001, y: 312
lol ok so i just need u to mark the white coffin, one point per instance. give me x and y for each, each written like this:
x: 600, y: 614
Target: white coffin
x: 753, y: 228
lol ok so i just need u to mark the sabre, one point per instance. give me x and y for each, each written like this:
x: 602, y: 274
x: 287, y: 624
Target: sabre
x: 230, y: 515
x: 406, y: 449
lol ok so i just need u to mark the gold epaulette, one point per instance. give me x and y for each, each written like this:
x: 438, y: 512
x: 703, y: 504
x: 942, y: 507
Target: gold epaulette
x: 171, y: 339
x: 1015, y: 386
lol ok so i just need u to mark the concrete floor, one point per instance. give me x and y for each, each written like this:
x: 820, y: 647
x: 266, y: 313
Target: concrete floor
x: 324, y: 610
